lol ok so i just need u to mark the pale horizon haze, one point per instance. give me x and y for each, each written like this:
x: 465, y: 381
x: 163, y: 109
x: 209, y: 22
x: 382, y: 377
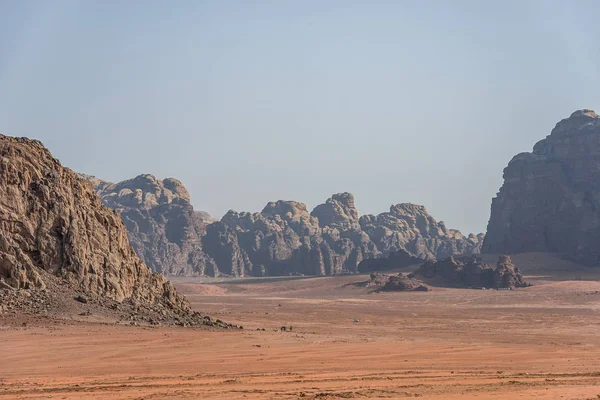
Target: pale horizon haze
x: 248, y: 102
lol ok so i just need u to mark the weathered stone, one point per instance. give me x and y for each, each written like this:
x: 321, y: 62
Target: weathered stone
x: 338, y: 212
x: 471, y: 272
x: 285, y: 239
x: 52, y: 222
x: 163, y: 227
x: 507, y: 275
x: 410, y: 227
x: 550, y: 199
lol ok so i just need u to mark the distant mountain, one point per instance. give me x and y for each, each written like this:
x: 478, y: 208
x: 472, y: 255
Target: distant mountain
x: 410, y: 227
x: 284, y: 238
x: 163, y: 227
x: 550, y: 199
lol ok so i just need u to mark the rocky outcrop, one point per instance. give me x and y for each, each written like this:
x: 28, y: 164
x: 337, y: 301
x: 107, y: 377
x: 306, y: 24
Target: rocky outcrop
x: 507, y: 275
x: 471, y: 272
x: 284, y: 238
x: 400, y: 282
x: 410, y: 227
x: 163, y: 227
x: 550, y: 199
x: 52, y: 224
x: 338, y: 212
x: 403, y: 283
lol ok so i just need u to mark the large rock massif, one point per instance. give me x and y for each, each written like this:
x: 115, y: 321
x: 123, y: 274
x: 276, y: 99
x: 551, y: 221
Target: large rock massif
x: 286, y: 239
x: 56, y: 233
x: 550, y: 199
x: 410, y: 227
x: 163, y: 227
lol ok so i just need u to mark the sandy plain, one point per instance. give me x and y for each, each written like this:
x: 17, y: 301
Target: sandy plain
x: 541, y: 342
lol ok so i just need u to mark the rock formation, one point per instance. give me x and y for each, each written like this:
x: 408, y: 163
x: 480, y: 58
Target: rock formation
x: 403, y: 283
x: 338, y: 212
x: 285, y: 239
x: 163, y: 227
x: 410, y: 227
x: 53, y: 224
x: 507, y: 275
x: 471, y: 272
x: 400, y: 282
x: 550, y: 199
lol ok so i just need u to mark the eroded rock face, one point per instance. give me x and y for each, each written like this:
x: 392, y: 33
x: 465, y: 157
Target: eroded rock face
x: 471, y: 272
x: 410, y: 227
x: 338, y: 212
x: 286, y: 239
x: 507, y: 275
x: 283, y: 239
x: 163, y: 227
x: 52, y: 222
x: 550, y: 199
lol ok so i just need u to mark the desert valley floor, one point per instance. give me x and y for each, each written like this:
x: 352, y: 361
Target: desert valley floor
x: 541, y: 342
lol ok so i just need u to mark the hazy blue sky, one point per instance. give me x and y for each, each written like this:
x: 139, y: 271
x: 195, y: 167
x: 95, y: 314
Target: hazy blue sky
x: 252, y: 101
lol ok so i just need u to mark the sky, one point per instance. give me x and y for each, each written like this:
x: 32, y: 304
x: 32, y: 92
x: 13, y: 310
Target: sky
x: 248, y: 102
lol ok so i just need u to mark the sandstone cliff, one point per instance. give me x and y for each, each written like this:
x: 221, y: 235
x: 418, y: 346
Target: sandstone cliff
x: 550, y: 199
x: 286, y: 239
x: 410, y: 227
x: 52, y: 224
x: 163, y: 227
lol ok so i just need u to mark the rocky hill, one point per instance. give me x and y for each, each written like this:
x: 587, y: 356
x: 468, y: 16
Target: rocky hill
x: 163, y: 227
x: 286, y: 239
x: 410, y: 227
x: 550, y: 199
x: 56, y: 234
